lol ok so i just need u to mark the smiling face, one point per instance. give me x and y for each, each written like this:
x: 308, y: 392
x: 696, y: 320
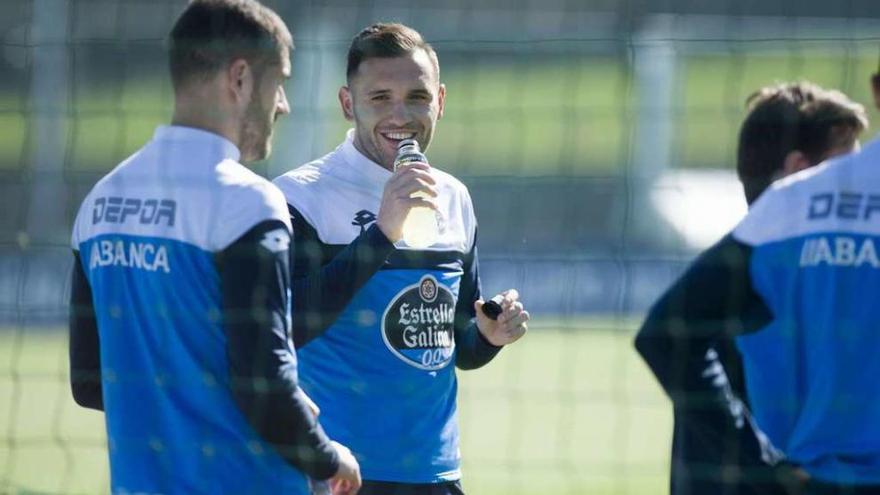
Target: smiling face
x: 391, y: 99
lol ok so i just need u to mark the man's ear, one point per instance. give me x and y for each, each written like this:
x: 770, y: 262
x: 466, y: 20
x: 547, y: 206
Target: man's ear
x: 441, y: 100
x: 240, y: 81
x: 794, y: 162
x: 346, y: 103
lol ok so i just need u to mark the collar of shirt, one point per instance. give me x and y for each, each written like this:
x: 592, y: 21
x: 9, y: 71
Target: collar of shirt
x: 217, y: 145
x: 360, y: 168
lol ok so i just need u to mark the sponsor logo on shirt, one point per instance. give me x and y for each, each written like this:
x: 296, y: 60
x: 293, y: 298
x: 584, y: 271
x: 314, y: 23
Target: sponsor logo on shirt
x: 839, y: 250
x: 417, y: 326
x: 129, y: 254
x: 115, y: 209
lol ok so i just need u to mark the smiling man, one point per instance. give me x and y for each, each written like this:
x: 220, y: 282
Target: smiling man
x: 378, y: 325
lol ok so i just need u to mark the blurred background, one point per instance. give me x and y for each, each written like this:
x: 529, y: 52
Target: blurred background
x: 598, y: 140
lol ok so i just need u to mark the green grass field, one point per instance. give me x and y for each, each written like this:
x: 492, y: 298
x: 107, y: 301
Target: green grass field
x: 568, y: 410
x: 521, y: 116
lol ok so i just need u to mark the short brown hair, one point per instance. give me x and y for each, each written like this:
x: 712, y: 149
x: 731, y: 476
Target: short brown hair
x: 786, y: 117
x: 387, y: 40
x: 210, y: 34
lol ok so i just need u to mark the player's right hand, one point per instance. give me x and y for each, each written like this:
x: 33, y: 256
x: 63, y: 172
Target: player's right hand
x: 347, y: 480
x: 397, y: 197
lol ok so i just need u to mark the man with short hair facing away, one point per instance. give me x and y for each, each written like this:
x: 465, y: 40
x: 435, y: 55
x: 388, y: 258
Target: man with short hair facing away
x: 793, y: 126
x: 791, y: 290
x: 179, y: 323
x: 379, y: 325
x: 789, y: 127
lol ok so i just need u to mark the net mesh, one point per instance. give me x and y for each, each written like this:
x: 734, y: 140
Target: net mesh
x: 597, y: 140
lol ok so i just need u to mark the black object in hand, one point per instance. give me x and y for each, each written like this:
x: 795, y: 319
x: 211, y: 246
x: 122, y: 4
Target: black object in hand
x: 492, y: 308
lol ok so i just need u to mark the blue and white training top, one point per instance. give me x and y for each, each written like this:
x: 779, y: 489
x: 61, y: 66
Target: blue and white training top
x: 180, y: 305
x: 796, y: 283
x: 380, y: 328
x: 812, y: 373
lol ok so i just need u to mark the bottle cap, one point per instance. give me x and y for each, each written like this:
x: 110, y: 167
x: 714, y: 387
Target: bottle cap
x: 407, y: 142
x: 492, y: 307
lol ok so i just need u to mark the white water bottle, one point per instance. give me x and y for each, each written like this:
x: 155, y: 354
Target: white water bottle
x: 420, y: 228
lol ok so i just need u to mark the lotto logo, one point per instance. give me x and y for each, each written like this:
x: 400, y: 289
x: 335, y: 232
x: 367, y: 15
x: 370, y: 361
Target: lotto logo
x: 276, y: 241
x: 363, y: 218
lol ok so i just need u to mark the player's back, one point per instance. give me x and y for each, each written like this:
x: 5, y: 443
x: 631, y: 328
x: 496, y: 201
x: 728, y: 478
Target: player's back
x: 812, y: 374
x: 147, y: 235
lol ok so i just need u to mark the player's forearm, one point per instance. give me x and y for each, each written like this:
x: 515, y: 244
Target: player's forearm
x: 716, y: 415
x: 262, y: 365
x: 713, y: 300
x: 321, y: 293
x: 472, y: 350
x: 85, y: 353
x: 276, y: 409
x: 263, y: 380
x: 704, y: 402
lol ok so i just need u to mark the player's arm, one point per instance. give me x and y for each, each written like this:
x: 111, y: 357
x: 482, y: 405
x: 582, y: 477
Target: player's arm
x: 85, y: 351
x: 478, y: 337
x: 472, y: 349
x: 713, y: 300
x: 254, y: 277
x: 324, y: 286
x: 323, y: 283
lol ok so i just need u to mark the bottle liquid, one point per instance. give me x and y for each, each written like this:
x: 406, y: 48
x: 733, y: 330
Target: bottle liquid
x: 420, y: 228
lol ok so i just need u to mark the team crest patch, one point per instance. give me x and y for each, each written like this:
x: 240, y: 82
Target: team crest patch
x: 428, y: 289
x: 418, y: 325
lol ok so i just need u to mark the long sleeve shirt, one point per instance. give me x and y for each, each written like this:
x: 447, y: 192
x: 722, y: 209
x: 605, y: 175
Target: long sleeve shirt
x: 380, y: 328
x: 794, y: 287
x: 180, y: 328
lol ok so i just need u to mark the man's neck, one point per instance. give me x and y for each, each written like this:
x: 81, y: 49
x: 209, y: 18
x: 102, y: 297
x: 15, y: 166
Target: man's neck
x: 205, y: 125
x: 200, y: 111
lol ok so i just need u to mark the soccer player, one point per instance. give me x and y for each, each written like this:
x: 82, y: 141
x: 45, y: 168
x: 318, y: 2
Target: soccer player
x: 794, y: 285
x: 179, y: 324
x: 380, y: 326
x: 789, y: 127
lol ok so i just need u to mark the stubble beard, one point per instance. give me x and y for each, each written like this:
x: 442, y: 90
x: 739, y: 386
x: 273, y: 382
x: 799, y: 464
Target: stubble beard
x: 256, y: 134
x: 367, y: 145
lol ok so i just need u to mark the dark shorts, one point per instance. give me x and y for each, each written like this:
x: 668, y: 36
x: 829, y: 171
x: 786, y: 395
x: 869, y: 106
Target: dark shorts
x: 387, y: 488
x: 819, y: 488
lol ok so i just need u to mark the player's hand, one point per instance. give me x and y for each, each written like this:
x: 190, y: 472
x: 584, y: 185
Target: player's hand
x: 347, y: 480
x: 511, y: 324
x: 397, y: 197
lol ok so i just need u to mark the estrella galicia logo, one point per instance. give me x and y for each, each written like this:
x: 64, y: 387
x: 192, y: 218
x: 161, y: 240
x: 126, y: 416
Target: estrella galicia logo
x: 417, y: 326
x: 363, y: 218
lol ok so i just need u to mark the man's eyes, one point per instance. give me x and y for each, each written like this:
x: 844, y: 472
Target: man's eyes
x: 421, y: 98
